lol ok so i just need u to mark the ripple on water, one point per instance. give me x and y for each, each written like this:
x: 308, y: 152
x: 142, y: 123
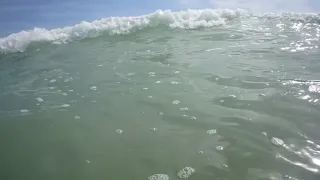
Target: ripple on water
x: 158, y: 82
x: 159, y: 177
x: 24, y: 110
x: 76, y: 117
x: 185, y: 172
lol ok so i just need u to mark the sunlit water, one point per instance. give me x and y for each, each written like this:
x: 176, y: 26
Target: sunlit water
x: 238, y: 101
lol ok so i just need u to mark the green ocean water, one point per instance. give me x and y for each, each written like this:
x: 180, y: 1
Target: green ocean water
x: 237, y: 99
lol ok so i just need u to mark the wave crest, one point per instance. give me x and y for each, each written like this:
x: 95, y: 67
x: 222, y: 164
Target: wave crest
x: 189, y: 19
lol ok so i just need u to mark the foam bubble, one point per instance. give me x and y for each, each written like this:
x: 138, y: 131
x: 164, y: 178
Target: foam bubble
x: 76, y: 117
x: 119, y: 131
x: 314, y: 88
x: 212, y: 131
x: 184, y: 109
x: 94, y: 88
x: 232, y: 96
x: 158, y: 82
x: 264, y: 133
x: 276, y: 141
x: 159, y: 177
x: 65, y: 105
x: 176, y: 102
x: 174, y: 82
x: 24, y: 110
x: 305, y: 97
x: 39, y: 99
x: 185, y: 172
x: 219, y: 148
x: 152, y: 73
x: 193, y: 118
x: 53, y: 81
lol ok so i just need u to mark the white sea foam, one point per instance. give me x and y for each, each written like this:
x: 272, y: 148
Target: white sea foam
x: 159, y: 177
x: 24, y: 110
x: 276, y: 141
x: 189, y: 19
x: 65, y: 105
x: 185, y: 172
x: 39, y: 99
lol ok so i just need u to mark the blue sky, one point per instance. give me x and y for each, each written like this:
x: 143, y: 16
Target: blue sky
x: 17, y: 15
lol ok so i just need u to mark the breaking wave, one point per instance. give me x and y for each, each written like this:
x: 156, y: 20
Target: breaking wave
x: 190, y: 19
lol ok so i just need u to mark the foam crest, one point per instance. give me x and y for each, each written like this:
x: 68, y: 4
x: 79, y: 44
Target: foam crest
x: 190, y: 19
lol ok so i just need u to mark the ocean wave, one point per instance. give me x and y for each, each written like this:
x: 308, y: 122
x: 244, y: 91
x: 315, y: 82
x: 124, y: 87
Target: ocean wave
x: 190, y: 19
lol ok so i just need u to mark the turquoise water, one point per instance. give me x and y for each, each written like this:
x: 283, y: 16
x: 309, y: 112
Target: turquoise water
x: 227, y: 94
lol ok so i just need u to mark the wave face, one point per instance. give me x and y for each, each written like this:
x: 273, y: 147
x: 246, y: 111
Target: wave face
x: 190, y: 19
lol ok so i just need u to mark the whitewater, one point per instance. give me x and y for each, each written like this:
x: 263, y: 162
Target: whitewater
x: 194, y: 94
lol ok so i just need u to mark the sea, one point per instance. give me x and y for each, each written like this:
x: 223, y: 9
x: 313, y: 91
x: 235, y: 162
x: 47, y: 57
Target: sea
x: 197, y: 94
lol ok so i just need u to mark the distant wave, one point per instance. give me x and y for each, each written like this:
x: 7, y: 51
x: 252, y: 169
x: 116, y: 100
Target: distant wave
x: 190, y: 19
